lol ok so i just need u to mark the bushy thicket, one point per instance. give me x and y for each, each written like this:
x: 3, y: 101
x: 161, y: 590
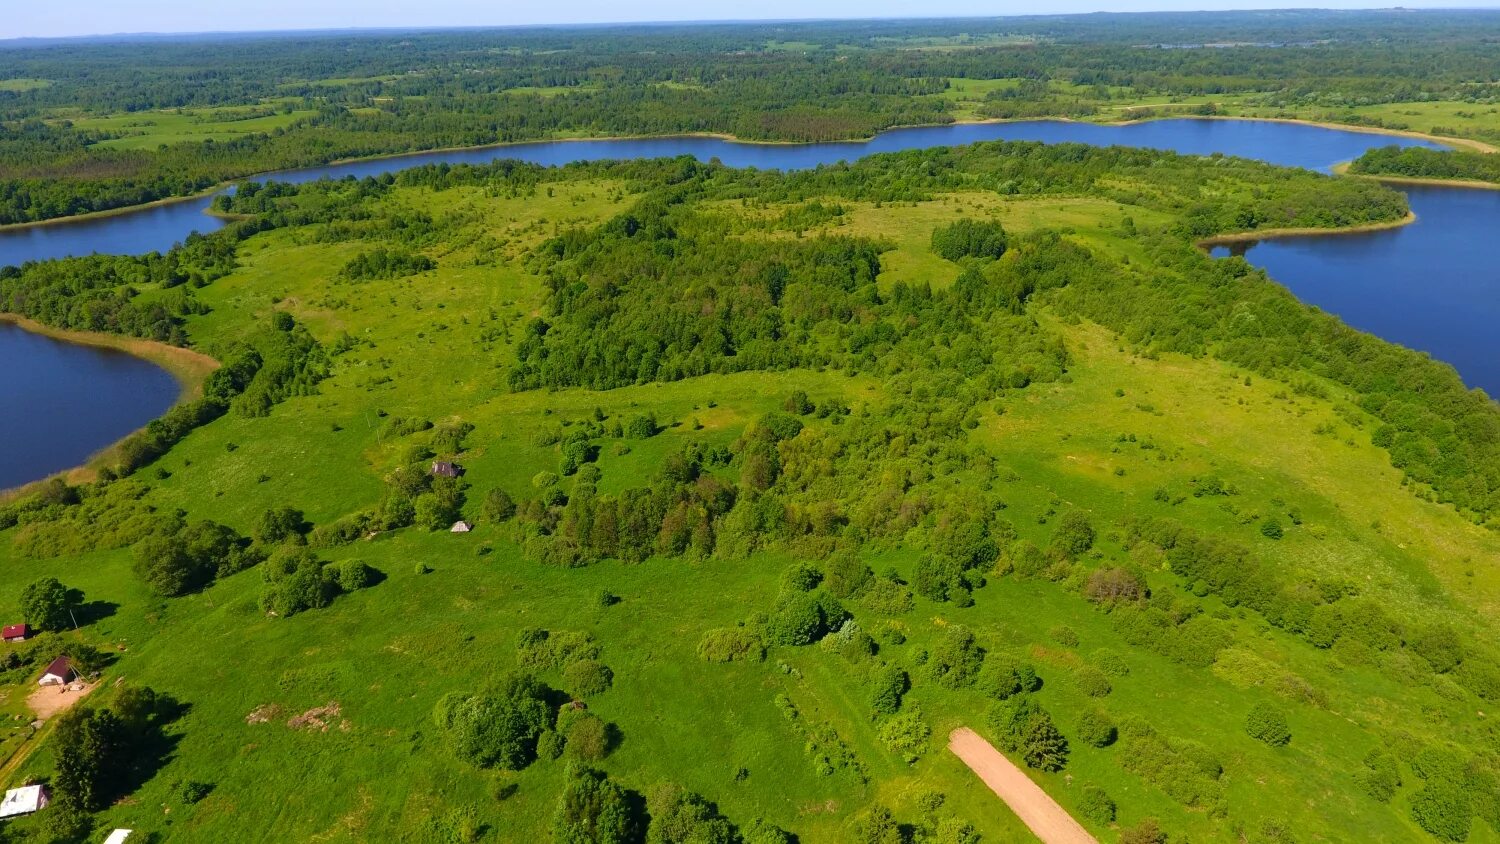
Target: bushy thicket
x: 1421, y: 163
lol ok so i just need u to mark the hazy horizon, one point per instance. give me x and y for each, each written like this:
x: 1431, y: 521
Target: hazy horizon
x: 102, y: 18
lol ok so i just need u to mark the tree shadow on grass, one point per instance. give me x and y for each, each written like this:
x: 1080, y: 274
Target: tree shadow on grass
x: 152, y: 746
x: 92, y: 612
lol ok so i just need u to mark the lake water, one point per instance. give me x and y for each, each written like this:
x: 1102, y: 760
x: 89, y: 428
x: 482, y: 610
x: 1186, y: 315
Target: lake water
x: 62, y: 402
x: 1426, y: 286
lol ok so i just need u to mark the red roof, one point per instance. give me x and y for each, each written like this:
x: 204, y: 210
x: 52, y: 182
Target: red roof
x: 60, y: 666
x: 11, y: 631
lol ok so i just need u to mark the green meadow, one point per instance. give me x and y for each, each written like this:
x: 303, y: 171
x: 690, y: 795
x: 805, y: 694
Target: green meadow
x: 319, y: 726
x: 150, y: 129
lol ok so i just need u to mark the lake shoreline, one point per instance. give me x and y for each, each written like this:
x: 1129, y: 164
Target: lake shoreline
x: 1233, y: 238
x: 1479, y: 146
x: 1418, y: 181
x: 186, y: 366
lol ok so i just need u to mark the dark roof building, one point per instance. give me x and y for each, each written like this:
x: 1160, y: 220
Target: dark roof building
x: 58, y: 673
x: 445, y: 469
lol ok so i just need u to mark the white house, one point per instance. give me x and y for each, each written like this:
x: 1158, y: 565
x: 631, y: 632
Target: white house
x: 117, y: 837
x: 461, y: 527
x: 59, y: 673
x: 24, y: 801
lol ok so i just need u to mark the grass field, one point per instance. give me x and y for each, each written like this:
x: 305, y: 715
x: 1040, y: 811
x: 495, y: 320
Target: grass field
x: 23, y: 85
x: 150, y: 129
x: 384, y: 655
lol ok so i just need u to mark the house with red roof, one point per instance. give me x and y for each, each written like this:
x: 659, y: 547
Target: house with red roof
x: 15, y: 632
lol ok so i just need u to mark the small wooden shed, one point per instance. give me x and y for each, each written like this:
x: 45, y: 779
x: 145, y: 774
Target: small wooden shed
x: 445, y: 469
x: 59, y: 673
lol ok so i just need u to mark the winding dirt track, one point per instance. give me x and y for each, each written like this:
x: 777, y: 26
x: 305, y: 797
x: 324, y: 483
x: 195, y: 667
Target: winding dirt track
x: 1051, y: 822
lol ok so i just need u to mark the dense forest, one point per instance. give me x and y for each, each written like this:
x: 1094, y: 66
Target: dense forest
x: 359, y: 95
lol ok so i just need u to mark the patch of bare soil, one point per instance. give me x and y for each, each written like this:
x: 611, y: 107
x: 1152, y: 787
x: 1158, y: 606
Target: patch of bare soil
x: 47, y: 701
x: 320, y: 718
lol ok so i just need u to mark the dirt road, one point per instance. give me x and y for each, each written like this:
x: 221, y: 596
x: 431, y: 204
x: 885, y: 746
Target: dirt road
x: 1051, y: 823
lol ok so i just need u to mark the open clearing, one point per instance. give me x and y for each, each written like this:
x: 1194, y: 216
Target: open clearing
x: 1041, y: 814
x: 47, y: 701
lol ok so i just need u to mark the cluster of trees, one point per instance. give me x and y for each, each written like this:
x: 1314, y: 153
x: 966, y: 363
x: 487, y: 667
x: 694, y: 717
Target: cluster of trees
x: 179, y: 557
x: 297, y: 581
x: 969, y: 238
x: 1422, y: 163
x: 104, y: 750
x: 382, y: 263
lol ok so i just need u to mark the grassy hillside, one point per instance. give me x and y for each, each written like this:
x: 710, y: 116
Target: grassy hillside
x: 1001, y: 466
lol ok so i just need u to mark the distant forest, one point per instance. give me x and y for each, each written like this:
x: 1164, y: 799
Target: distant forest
x: 370, y: 94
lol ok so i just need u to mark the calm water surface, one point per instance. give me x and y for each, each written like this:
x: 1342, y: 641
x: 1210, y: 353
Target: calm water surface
x: 1426, y: 286
x: 61, y: 402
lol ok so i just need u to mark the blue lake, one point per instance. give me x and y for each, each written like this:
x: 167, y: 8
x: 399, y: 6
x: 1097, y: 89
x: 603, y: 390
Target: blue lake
x: 1426, y: 286
x: 61, y: 402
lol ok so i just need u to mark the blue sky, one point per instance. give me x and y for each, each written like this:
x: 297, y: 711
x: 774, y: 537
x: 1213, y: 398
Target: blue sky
x: 27, y: 18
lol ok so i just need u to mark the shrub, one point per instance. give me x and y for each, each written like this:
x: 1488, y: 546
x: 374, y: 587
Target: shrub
x: 848, y: 576
x: 642, y: 427
x: 879, y: 826
x: 803, y: 618
x: 354, y: 574
x: 956, y: 658
x: 1064, y: 635
x: 850, y: 641
x: 906, y: 735
x: 1092, y: 682
x: 679, y: 816
x: 587, y: 737
x: 1074, y: 535
x: 761, y: 831
x: 1107, y: 586
x: 498, y: 506
x: 1003, y: 676
x: 1111, y: 663
x: 593, y: 810
x: 1266, y: 723
x: 192, y: 791
x: 588, y: 677
x: 1024, y: 727
x: 1096, y: 806
x: 279, y: 525
x: 800, y: 577
x: 731, y: 644
x: 498, y: 728
x: 1439, y: 645
x: 1148, y: 831
x: 550, y: 745
x: 1381, y: 776
x: 1271, y: 529
x: 1096, y: 728
x: 888, y: 686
